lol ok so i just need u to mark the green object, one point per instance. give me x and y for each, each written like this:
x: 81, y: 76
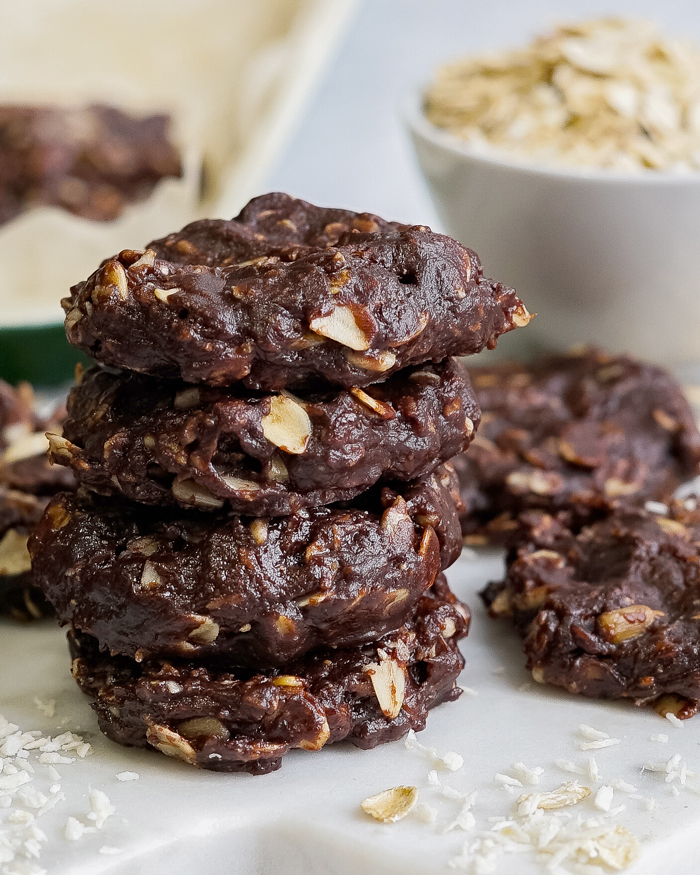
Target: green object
x: 38, y: 353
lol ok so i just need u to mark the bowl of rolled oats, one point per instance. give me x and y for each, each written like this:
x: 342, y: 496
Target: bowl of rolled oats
x: 572, y: 165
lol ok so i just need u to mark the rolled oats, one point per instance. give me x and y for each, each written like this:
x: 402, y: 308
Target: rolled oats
x: 611, y: 93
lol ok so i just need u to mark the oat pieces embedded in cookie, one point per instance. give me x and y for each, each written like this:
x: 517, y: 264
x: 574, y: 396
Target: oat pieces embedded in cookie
x: 260, y: 592
x: 577, y: 433
x: 215, y: 718
x: 161, y: 442
x: 613, y: 611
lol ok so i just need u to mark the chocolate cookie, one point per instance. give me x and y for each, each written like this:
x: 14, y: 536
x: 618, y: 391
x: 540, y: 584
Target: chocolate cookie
x: 163, y: 443
x: 259, y: 591
x: 279, y: 302
x: 91, y: 161
x: 24, y: 465
x: 19, y: 599
x: 217, y: 719
x: 613, y: 611
x: 580, y: 433
x: 27, y: 480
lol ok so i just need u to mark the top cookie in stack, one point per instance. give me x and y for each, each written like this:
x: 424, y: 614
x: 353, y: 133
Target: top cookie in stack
x: 287, y: 295
x: 298, y: 535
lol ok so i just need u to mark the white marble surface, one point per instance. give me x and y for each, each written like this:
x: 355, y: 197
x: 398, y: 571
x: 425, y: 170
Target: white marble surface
x: 350, y: 150
x: 305, y: 819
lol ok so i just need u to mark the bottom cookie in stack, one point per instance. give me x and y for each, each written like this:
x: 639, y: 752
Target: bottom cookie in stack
x: 216, y: 717
x: 235, y: 639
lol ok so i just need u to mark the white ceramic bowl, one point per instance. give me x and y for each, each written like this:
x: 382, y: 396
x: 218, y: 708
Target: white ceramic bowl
x: 600, y: 256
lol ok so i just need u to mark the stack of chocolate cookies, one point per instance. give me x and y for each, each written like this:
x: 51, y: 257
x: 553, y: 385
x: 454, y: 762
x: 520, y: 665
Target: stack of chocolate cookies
x: 254, y: 560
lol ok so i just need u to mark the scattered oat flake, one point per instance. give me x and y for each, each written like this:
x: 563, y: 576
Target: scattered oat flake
x: 391, y: 805
x: 570, y: 793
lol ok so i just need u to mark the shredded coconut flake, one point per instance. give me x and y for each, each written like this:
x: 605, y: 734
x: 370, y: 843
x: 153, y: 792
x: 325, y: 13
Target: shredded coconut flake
x: 568, y: 766
x: 591, y: 734
x: 598, y: 745
x: 623, y: 786
x: 101, y: 808
x: 525, y: 774
x: 603, y: 798
x: 74, y: 829
x: 22, y: 753
x: 451, y: 761
x: 425, y: 813
x: 48, y: 709
x: 433, y: 779
x: 465, y: 819
x: 674, y: 720
x: 506, y: 781
x: 128, y: 776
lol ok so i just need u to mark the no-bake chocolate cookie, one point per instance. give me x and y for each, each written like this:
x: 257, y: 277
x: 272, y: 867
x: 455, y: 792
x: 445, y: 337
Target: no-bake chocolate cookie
x: 276, y: 298
x: 259, y: 591
x: 613, y: 611
x: 215, y: 718
x: 19, y: 599
x: 91, y: 161
x: 27, y: 480
x: 580, y: 433
x: 162, y: 443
